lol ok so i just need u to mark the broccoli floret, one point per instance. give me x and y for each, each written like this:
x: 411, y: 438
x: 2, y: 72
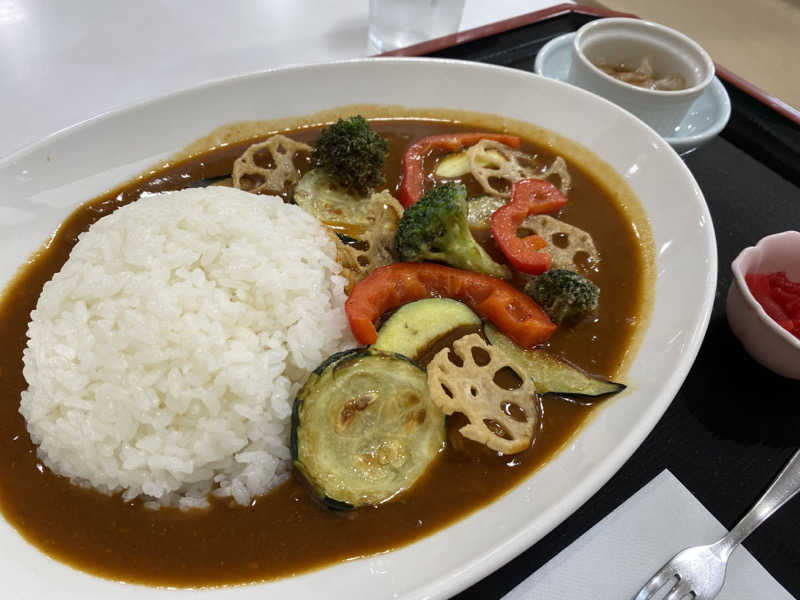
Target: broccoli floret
x: 563, y: 294
x: 435, y: 228
x: 352, y: 154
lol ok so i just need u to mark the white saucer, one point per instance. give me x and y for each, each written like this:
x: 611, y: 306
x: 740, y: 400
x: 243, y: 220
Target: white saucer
x: 705, y: 119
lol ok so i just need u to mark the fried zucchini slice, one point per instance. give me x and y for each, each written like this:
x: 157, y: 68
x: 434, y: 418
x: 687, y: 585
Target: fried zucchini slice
x: 457, y: 164
x: 415, y: 326
x: 318, y: 193
x: 365, y: 225
x: 551, y: 374
x: 364, y: 428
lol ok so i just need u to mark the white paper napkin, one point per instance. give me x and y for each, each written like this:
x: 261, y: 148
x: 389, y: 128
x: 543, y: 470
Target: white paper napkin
x: 617, y: 556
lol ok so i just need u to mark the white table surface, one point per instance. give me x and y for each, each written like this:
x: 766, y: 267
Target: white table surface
x: 64, y: 61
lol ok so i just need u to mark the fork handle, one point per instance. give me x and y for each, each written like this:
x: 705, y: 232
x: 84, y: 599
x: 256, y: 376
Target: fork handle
x: 786, y: 485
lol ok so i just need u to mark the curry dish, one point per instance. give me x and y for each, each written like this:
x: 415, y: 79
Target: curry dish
x: 287, y: 531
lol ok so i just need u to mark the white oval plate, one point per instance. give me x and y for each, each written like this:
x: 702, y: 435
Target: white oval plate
x: 42, y: 184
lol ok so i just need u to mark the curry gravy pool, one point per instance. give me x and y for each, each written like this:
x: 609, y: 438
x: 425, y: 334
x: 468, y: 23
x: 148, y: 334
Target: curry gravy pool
x: 286, y: 531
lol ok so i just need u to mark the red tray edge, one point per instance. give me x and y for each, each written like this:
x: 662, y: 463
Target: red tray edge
x: 469, y: 35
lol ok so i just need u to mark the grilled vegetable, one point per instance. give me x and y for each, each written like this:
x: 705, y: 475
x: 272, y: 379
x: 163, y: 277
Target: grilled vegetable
x: 528, y: 197
x: 480, y: 211
x: 392, y: 286
x: 353, y: 154
x: 411, y: 183
x: 457, y: 165
x: 551, y: 374
x: 318, y: 194
x: 564, y: 295
x: 414, y: 327
x: 364, y: 428
x: 436, y: 228
x: 504, y: 418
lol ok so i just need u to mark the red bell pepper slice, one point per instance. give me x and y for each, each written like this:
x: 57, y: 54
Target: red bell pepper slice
x: 513, y: 312
x: 528, y: 197
x: 413, y: 177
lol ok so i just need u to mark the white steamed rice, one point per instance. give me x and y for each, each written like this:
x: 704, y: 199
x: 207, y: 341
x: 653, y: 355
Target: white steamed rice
x: 164, y: 357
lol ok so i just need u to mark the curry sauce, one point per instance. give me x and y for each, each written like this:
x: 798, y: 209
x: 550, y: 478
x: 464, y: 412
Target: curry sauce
x: 286, y: 531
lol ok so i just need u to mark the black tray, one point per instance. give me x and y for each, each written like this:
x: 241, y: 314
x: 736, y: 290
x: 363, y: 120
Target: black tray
x: 733, y: 424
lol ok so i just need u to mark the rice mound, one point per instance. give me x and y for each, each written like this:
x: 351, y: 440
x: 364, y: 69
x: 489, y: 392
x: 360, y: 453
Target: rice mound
x: 164, y: 356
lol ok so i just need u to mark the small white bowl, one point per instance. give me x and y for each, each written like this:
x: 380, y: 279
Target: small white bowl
x: 622, y: 40
x: 705, y: 120
x: 765, y: 340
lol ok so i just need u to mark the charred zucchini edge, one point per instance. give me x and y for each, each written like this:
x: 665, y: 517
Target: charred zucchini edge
x: 540, y: 360
x: 331, y: 366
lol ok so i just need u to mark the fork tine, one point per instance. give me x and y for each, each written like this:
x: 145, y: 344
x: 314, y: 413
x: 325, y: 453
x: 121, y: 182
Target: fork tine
x: 679, y: 590
x: 657, y: 581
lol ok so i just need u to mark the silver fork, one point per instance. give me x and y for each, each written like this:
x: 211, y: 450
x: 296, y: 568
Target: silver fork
x: 699, y: 572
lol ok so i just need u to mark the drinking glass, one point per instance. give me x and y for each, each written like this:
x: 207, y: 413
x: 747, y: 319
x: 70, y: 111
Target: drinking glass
x: 398, y: 23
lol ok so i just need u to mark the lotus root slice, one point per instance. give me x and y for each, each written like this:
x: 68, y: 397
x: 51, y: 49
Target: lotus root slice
x: 250, y: 176
x: 502, y: 419
x: 496, y: 167
x: 570, y: 247
x: 375, y: 248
